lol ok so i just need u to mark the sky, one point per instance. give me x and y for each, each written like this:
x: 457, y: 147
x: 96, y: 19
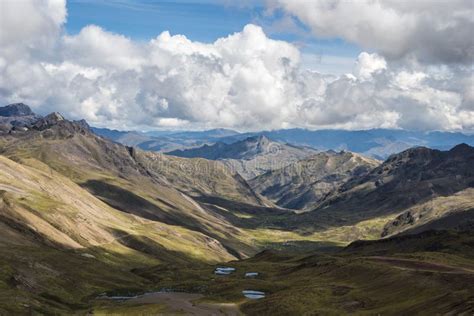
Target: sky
x: 207, y: 21
x: 246, y: 65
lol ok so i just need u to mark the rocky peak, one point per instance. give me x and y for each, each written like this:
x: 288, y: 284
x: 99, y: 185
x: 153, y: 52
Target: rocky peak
x: 55, y: 124
x: 260, y: 142
x: 462, y: 149
x: 19, y: 119
x: 414, y: 155
x: 83, y: 123
x: 263, y: 139
x: 54, y: 117
x: 257, y: 139
x: 16, y: 109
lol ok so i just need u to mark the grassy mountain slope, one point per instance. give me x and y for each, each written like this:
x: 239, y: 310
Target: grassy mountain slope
x: 60, y: 244
x: 200, y: 177
x: 428, y: 273
x: 81, y: 215
x: 404, y: 181
x: 445, y: 212
x: 64, y: 214
x: 144, y: 184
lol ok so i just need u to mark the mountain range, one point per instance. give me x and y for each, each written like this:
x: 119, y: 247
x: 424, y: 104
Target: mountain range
x: 303, y: 184
x: 375, y: 143
x: 249, y: 157
x: 83, y: 216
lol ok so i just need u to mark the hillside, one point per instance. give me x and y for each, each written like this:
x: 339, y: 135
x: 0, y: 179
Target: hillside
x: 249, y: 157
x: 60, y: 243
x: 413, y: 176
x: 68, y: 196
x: 303, y: 184
x: 82, y: 215
x: 446, y: 212
x: 134, y: 181
x: 417, y: 181
x: 420, y: 274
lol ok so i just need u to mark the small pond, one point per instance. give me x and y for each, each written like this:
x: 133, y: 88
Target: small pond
x: 224, y: 270
x: 254, y: 295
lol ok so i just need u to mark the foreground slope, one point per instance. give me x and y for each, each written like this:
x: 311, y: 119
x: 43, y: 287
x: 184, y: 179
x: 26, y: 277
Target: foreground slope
x: 60, y: 244
x: 404, y: 276
x: 425, y: 274
x: 60, y: 212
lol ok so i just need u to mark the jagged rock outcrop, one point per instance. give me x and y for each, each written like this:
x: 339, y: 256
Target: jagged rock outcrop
x: 16, y: 117
x: 16, y: 109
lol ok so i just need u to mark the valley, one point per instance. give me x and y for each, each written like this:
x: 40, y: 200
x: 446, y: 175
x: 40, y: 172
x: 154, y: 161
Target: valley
x: 329, y: 232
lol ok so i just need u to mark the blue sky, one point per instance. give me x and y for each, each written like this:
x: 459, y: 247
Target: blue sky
x: 205, y: 21
x: 420, y: 77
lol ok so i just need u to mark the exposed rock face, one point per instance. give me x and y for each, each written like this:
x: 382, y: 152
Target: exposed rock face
x: 16, y: 109
x: 246, y: 149
x: 250, y: 157
x: 302, y: 185
x: 16, y: 117
x: 54, y: 117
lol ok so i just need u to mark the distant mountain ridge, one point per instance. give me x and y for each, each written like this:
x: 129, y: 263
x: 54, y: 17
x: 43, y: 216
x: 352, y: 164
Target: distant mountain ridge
x: 249, y: 157
x: 165, y: 141
x: 244, y: 149
x: 375, y: 143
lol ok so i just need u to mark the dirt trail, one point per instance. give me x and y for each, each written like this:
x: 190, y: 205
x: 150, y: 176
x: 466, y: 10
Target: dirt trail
x: 184, y: 304
x: 412, y: 264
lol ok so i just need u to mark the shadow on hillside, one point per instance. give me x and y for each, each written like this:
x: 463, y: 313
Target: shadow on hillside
x: 150, y: 247
x: 296, y: 247
x: 128, y: 202
x: 245, y: 215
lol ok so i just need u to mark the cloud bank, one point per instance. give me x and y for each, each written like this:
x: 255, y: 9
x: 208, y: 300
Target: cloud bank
x: 246, y: 80
x: 430, y: 31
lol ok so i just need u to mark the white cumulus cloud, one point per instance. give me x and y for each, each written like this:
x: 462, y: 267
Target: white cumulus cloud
x: 431, y: 31
x: 245, y: 80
